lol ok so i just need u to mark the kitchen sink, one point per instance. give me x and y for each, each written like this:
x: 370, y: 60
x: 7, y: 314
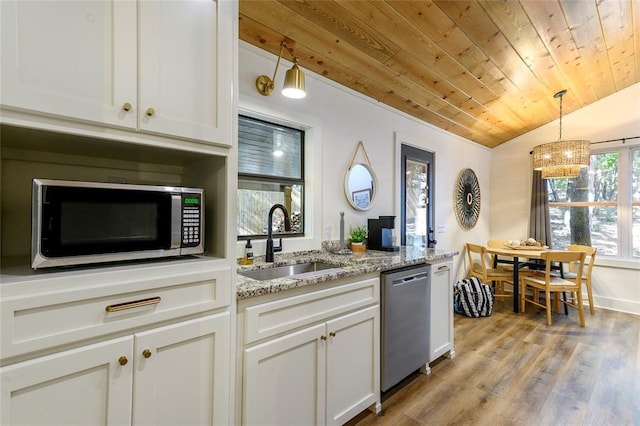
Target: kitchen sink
x: 307, y: 268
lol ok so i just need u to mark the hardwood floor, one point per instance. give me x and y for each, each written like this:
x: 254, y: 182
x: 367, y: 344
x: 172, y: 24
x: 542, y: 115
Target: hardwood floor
x: 514, y: 369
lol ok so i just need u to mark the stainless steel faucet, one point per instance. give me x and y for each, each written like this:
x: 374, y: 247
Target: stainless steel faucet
x: 268, y: 257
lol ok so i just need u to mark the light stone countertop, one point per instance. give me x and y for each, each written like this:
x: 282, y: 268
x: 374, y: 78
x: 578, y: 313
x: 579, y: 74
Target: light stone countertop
x: 346, y: 266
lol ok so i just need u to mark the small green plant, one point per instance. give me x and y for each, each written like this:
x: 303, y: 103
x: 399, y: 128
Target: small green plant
x: 357, y: 234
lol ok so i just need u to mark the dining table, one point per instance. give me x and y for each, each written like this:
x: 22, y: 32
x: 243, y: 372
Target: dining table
x: 522, y: 256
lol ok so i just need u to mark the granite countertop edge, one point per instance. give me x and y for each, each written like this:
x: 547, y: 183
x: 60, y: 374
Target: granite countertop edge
x: 346, y: 266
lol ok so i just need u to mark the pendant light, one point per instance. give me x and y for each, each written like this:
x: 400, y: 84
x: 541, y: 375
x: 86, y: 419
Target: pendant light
x: 561, y: 159
x: 294, y: 86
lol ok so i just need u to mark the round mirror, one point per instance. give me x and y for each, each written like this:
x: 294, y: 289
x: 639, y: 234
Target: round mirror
x: 360, y: 185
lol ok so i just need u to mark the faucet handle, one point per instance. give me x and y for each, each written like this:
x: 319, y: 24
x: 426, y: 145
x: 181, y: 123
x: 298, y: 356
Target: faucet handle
x: 279, y: 247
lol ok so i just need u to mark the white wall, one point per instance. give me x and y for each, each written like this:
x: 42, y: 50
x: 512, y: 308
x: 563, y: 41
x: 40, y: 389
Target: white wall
x: 337, y: 119
x: 616, y: 283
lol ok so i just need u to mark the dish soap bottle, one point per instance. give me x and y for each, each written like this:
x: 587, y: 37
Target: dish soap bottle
x: 248, y: 254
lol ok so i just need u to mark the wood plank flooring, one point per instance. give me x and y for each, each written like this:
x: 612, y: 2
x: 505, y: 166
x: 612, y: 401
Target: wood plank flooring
x: 514, y: 369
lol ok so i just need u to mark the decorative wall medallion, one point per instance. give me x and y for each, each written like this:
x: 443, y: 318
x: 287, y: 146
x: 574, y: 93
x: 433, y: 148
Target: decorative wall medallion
x: 467, y: 199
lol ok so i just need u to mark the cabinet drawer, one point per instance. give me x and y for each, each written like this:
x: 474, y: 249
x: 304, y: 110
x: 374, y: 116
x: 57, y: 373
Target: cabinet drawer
x: 272, y: 318
x: 39, y: 321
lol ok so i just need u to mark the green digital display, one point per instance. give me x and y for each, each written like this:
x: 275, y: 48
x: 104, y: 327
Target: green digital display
x: 192, y: 201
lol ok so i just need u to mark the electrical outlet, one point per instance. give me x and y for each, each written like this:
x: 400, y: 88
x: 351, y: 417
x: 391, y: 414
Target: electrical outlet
x: 326, y: 233
x: 440, y: 228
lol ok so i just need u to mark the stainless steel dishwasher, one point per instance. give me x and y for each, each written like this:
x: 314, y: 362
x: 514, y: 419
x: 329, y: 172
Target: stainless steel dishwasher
x: 405, y: 322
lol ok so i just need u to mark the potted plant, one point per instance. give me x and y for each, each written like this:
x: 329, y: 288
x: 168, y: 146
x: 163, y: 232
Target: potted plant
x: 357, y: 236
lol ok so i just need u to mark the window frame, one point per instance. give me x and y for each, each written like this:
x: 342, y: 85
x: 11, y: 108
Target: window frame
x: 278, y: 179
x: 624, y: 203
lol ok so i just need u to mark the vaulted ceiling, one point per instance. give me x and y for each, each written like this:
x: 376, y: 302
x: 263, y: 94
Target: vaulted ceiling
x: 483, y: 70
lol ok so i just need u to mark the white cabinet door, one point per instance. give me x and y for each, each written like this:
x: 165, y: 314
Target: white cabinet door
x: 353, y: 364
x: 87, y: 386
x: 90, y: 60
x: 185, y: 69
x: 74, y: 59
x: 182, y: 373
x: 441, y: 330
x: 284, y: 379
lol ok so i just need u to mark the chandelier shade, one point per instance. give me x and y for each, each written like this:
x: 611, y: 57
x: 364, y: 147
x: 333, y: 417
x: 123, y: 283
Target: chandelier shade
x: 561, y: 159
x: 558, y: 172
x: 562, y: 153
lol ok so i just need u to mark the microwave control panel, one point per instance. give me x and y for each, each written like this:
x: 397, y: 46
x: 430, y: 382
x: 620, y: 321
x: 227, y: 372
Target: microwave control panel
x: 191, y: 220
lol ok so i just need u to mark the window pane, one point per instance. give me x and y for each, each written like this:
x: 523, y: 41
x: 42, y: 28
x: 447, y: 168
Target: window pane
x: 255, y: 199
x: 595, y: 225
x: 269, y: 149
x: 604, y: 229
x: 603, y: 177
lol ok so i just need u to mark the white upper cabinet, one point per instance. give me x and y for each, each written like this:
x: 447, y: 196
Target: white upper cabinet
x: 158, y: 67
x: 185, y: 71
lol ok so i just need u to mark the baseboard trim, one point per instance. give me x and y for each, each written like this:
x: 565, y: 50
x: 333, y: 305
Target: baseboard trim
x: 627, y: 306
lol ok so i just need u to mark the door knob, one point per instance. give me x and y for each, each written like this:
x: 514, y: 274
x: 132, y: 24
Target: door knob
x: 146, y: 353
x: 123, y: 360
x: 126, y: 106
x: 150, y: 111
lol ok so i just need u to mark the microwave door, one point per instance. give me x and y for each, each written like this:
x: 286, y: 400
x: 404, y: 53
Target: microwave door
x: 80, y: 221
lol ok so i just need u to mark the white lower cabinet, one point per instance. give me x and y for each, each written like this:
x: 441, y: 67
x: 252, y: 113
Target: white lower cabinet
x: 87, y: 385
x: 324, y: 373
x: 182, y: 373
x: 117, y: 345
x: 175, y: 374
x: 441, y: 330
x: 352, y: 364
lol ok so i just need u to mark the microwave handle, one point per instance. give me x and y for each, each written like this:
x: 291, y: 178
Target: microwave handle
x: 176, y: 221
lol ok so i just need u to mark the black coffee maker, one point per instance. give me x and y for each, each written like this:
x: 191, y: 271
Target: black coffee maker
x: 381, y: 234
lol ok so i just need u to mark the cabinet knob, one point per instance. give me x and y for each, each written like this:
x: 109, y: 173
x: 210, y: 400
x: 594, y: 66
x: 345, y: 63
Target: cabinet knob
x: 123, y: 360
x: 332, y: 334
x: 146, y: 353
x: 323, y: 337
x: 126, y: 106
x: 150, y: 111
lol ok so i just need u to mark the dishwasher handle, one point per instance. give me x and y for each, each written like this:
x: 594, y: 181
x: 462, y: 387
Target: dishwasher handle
x: 409, y: 279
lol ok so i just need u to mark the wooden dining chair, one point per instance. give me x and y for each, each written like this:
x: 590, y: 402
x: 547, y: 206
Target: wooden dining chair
x: 479, y: 266
x: 549, y: 283
x: 590, y: 258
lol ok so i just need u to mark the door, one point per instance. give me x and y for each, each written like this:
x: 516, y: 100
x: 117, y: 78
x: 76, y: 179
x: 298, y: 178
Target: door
x: 284, y: 381
x: 83, y: 386
x: 186, y: 66
x: 182, y: 373
x: 73, y: 59
x: 417, y: 197
x: 353, y: 364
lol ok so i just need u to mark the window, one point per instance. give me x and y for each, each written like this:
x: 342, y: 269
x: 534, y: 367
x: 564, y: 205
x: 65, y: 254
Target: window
x: 270, y: 171
x: 601, y: 207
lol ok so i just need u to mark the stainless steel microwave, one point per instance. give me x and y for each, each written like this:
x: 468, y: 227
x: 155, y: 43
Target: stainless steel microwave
x: 76, y: 223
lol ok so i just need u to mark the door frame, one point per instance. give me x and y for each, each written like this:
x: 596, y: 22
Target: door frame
x: 415, y: 153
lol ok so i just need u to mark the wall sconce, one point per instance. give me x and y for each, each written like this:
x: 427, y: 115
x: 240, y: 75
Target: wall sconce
x: 294, y: 86
x: 561, y: 159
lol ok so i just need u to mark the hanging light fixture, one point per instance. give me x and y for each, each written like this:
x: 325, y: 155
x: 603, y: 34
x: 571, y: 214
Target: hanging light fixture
x: 294, y: 86
x: 561, y: 159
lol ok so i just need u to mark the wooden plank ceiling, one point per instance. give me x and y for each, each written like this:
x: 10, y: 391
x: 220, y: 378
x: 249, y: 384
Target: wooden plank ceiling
x: 483, y: 70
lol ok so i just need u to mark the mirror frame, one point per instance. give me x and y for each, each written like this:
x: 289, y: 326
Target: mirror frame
x: 349, y: 193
